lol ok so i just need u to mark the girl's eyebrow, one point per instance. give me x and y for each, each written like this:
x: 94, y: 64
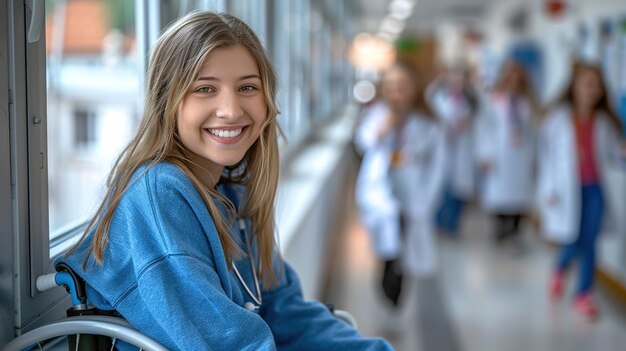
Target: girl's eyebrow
x: 250, y: 76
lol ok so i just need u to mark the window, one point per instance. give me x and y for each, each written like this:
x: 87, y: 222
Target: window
x: 288, y: 44
x: 93, y: 99
x: 84, y: 127
x: 75, y: 73
x: 253, y: 12
x: 279, y: 47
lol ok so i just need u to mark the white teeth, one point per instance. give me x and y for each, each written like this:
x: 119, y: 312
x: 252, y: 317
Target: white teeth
x: 226, y: 133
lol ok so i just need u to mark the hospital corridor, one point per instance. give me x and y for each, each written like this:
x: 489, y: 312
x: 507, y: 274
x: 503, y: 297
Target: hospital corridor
x: 306, y: 175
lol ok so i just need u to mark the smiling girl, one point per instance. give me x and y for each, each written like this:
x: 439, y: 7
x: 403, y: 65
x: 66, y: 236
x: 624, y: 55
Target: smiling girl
x: 182, y: 245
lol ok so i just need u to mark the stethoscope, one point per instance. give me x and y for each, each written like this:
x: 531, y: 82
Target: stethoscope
x: 257, y: 299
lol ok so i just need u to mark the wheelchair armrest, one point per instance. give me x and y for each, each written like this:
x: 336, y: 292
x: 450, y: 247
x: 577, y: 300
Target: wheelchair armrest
x: 79, y: 283
x: 67, y: 278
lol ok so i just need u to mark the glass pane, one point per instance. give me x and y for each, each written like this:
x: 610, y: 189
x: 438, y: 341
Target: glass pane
x: 320, y: 93
x: 279, y: 51
x: 93, y: 82
x: 253, y: 12
x: 300, y: 57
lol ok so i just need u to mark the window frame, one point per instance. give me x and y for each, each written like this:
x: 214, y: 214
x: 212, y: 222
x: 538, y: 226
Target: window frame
x: 7, y: 250
x: 33, y: 250
x: 27, y: 87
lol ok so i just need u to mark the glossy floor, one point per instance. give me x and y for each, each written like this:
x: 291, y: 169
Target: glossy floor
x: 486, y: 296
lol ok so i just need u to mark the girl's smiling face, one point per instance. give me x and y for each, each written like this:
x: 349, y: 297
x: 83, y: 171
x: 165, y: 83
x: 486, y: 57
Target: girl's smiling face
x: 221, y: 116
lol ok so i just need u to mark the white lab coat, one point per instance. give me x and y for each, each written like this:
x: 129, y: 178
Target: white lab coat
x: 460, y: 165
x: 559, y: 174
x: 508, y: 186
x: 413, y: 189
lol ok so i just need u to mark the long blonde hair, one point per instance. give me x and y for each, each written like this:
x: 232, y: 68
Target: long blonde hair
x: 175, y: 63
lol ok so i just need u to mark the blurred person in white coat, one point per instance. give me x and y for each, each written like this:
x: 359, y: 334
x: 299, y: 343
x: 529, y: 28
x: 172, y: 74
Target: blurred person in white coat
x: 579, y: 143
x: 454, y: 101
x: 506, y: 145
x: 400, y: 179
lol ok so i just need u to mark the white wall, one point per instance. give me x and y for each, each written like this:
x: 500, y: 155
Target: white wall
x: 558, y: 37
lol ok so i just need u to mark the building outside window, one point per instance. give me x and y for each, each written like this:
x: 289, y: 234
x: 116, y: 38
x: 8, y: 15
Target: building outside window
x: 93, y: 99
x: 84, y: 127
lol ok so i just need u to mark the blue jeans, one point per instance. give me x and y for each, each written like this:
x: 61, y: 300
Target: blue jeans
x: 592, y: 206
x: 449, y: 214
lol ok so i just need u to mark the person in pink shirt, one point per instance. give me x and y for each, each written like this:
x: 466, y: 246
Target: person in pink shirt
x: 580, y: 140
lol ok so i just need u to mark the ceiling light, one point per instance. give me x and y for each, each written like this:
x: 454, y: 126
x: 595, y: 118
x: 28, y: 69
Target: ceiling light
x: 389, y: 37
x: 391, y: 25
x: 401, y: 7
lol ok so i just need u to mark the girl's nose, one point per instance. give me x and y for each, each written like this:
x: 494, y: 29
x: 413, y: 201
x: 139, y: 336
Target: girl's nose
x: 229, y: 106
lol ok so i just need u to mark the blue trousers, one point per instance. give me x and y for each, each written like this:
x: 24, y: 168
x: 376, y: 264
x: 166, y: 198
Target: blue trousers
x: 449, y: 214
x: 592, y: 206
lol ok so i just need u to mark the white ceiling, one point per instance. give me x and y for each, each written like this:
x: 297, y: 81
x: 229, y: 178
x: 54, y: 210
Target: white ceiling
x: 426, y: 13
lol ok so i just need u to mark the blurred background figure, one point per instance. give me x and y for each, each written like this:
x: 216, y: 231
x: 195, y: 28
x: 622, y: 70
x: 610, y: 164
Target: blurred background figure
x: 454, y: 101
x: 579, y: 143
x: 506, y: 149
x: 400, y: 178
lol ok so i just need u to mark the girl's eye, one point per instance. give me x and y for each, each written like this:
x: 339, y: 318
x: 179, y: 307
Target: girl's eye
x: 247, y: 88
x: 205, y: 90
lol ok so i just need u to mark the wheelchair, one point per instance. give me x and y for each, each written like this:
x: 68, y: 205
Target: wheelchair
x: 88, y: 328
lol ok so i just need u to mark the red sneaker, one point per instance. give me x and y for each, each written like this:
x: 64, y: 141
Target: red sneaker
x: 557, y: 283
x: 585, y: 306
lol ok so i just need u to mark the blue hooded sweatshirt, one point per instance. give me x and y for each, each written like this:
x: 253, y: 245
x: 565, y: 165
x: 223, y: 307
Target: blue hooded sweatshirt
x: 165, y: 272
